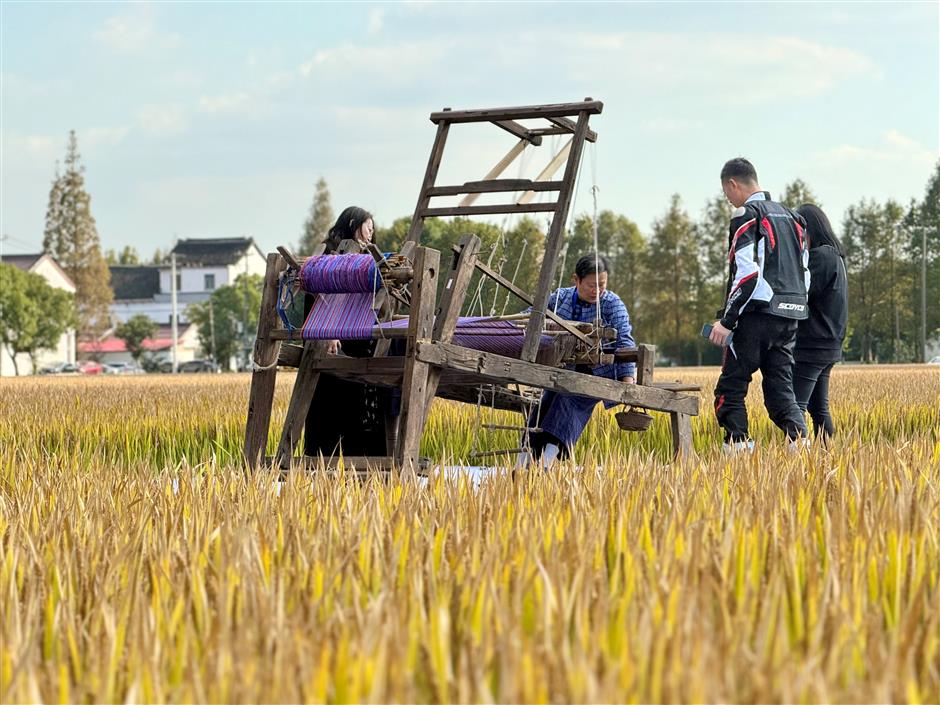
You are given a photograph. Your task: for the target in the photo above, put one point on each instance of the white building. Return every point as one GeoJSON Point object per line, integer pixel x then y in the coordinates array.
{"type": "Point", "coordinates": [46, 267]}
{"type": "Point", "coordinates": [202, 265]}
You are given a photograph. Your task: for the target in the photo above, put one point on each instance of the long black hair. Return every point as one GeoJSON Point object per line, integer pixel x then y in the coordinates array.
{"type": "Point", "coordinates": [819, 228]}
{"type": "Point", "coordinates": [346, 226]}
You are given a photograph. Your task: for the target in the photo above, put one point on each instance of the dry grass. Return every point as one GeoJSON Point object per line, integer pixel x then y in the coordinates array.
{"type": "Point", "coordinates": [773, 578]}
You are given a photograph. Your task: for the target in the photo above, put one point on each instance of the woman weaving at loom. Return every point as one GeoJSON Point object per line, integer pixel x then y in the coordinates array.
{"type": "Point", "coordinates": [344, 413]}
{"type": "Point", "coordinates": [563, 417]}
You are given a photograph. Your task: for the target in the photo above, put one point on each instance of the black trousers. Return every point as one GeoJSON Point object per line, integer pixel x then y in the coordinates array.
{"type": "Point", "coordinates": [811, 387]}
{"type": "Point", "coordinates": [761, 342]}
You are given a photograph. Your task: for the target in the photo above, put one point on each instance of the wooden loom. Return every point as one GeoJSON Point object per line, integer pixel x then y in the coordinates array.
{"type": "Point", "coordinates": [432, 364]}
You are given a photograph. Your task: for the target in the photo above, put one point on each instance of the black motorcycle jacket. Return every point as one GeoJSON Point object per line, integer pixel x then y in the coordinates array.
{"type": "Point", "coordinates": [768, 262]}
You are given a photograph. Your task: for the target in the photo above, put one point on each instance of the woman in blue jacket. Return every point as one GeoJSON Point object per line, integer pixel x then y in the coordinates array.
{"type": "Point", "coordinates": [819, 337]}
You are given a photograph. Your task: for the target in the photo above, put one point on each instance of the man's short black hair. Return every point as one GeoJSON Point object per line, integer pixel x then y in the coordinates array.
{"type": "Point", "coordinates": [739, 169]}
{"type": "Point", "coordinates": [591, 263]}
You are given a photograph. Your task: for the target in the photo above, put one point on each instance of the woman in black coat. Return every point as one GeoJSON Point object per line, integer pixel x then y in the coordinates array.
{"type": "Point", "coordinates": [819, 337]}
{"type": "Point", "coordinates": [345, 414]}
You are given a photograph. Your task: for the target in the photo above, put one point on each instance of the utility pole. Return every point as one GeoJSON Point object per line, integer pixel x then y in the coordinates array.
{"type": "Point", "coordinates": [212, 329]}
{"type": "Point", "coordinates": [174, 311]}
{"type": "Point", "coordinates": [894, 296]}
{"type": "Point", "coordinates": [246, 339]}
{"type": "Point", "coordinates": [923, 292]}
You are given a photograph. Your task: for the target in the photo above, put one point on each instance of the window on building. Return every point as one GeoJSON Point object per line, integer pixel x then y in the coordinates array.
{"type": "Point", "coordinates": [208, 281]}
{"type": "Point", "coordinates": [179, 281]}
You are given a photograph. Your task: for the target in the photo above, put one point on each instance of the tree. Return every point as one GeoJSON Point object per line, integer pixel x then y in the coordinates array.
{"type": "Point", "coordinates": [72, 239]}
{"type": "Point", "coordinates": [226, 319]}
{"type": "Point", "coordinates": [923, 225]}
{"type": "Point", "coordinates": [392, 238]}
{"type": "Point", "coordinates": [319, 221]}
{"type": "Point", "coordinates": [443, 235]}
{"type": "Point", "coordinates": [798, 192]}
{"type": "Point", "coordinates": [159, 256]}
{"type": "Point", "coordinates": [523, 245]}
{"type": "Point", "coordinates": [880, 283]}
{"type": "Point", "coordinates": [621, 242]}
{"type": "Point", "coordinates": [134, 332]}
{"type": "Point", "coordinates": [33, 314]}
{"type": "Point", "coordinates": [672, 272]}
{"type": "Point", "coordinates": [711, 233]}
{"type": "Point", "coordinates": [127, 256]}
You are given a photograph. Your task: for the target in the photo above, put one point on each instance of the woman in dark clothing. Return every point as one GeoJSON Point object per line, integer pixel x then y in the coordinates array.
{"type": "Point", "coordinates": [346, 414]}
{"type": "Point", "coordinates": [819, 337]}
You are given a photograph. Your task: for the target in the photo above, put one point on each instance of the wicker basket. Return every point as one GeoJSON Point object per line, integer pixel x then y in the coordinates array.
{"type": "Point", "coordinates": [633, 420]}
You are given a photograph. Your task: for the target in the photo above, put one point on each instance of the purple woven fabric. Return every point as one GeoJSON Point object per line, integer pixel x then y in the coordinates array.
{"type": "Point", "coordinates": [340, 317]}
{"type": "Point", "coordinates": [340, 274]}
{"type": "Point", "coordinates": [477, 333]}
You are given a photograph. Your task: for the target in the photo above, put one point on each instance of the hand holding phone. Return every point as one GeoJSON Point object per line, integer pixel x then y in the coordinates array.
{"type": "Point", "coordinates": [707, 333]}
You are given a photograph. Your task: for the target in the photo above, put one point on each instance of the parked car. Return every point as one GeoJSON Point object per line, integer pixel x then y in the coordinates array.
{"type": "Point", "coordinates": [62, 368]}
{"type": "Point", "coordinates": [123, 368]}
{"type": "Point", "coordinates": [90, 367]}
{"type": "Point", "coordinates": [199, 366]}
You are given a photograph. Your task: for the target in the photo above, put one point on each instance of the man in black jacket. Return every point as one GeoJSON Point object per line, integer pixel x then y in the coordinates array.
{"type": "Point", "coordinates": [766, 296]}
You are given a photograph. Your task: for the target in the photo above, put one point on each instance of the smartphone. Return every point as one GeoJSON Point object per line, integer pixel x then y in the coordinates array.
{"type": "Point", "coordinates": [707, 331]}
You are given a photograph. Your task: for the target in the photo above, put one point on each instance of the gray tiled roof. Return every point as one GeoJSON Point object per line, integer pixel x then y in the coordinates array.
{"type": "Point", "coordinates": [211, 251]}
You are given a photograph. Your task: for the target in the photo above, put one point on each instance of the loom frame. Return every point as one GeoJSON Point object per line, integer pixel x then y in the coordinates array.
{"type": "Point", "coordinates": [432, 365]}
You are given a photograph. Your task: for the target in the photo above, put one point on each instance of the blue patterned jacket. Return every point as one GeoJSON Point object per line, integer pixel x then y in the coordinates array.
{"type": "Point", "coordinates": [613, 314]}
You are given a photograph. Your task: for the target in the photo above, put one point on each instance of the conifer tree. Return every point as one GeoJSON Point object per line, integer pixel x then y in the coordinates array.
{"type": "Point", "coordinates": [797, 193]}
{"type": "Point", "coordinates": [319, 221]}
{"type": "Point", "coordinates": [72, 239]}
{"type": "Point", "coordinates": [672, 272]}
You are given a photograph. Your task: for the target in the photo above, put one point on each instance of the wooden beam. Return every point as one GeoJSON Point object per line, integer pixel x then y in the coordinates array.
{"type": "Point", "coordinates": [455, 288]}
{"type": "Point", "coordinates": [496, 186]}
{"type": "Point", "coordinates": [520, 131]}
{"type": "Point", "coordinates": [415, 378]}
{"type": "Point", "coordinates": [305, 384]}
{"type": "Point", "coordinates": [645, 358]}
{"type": "Point", "coordinates": [498, 169]}
{"type": "Point", "coordinates": [525, 112]}
{"type": "Point", "coordinates": [570, 126]}
{"type": "Point", "coordinates": [430, 176]}
{"type": "Point", "coordinates": [548, 171]}
{"type": "Point", "coordinates": [264, 374]}
{"type": "Point", "coordinates": [553, 243]}
{"type": "Point", "coordinates": [681, 426]}
{"type": "Point", "coordinates": [289, 355]}
{"type": "Point", "coordinates": [489, 210]}
{"type": "Point", "coordinates": [498, 368]}
{"type": "Point", "coordinates": [289, 257]}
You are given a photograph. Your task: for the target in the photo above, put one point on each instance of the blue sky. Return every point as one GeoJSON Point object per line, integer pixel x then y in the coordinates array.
{"type": "Point", "coordinates": [216, 119]}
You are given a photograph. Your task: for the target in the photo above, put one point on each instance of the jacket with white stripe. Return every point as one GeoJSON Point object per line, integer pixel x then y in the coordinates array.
{"type": "Point", "coordinates": [769, 262]}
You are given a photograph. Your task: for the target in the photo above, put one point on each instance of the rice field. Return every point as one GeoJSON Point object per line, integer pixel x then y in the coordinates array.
{"type": "Point", "coordinates": [141, 563]}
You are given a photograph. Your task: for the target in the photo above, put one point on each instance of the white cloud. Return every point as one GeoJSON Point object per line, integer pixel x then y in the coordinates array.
{"type": "Point", "coordinates": [37, 146]}
{"type": "Point", "coordinates": [789, 67]}
{"type": "Point", "coordinates": [708, 66]}
{"type": "Point", "coordinates": [895, 150]}
{"type": "Point", "coordinates": [135, 31]}
{"type": "Point", "coordinates": [103, 136]}
{"type": "Point", "coordinates": [376, 21]}
{"type": "Point", "coordinates": [165, 119]}
{"type": "Point", "coordinates": [226, 103]}
{"type": "Point", "coordinates": [666, 125]}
